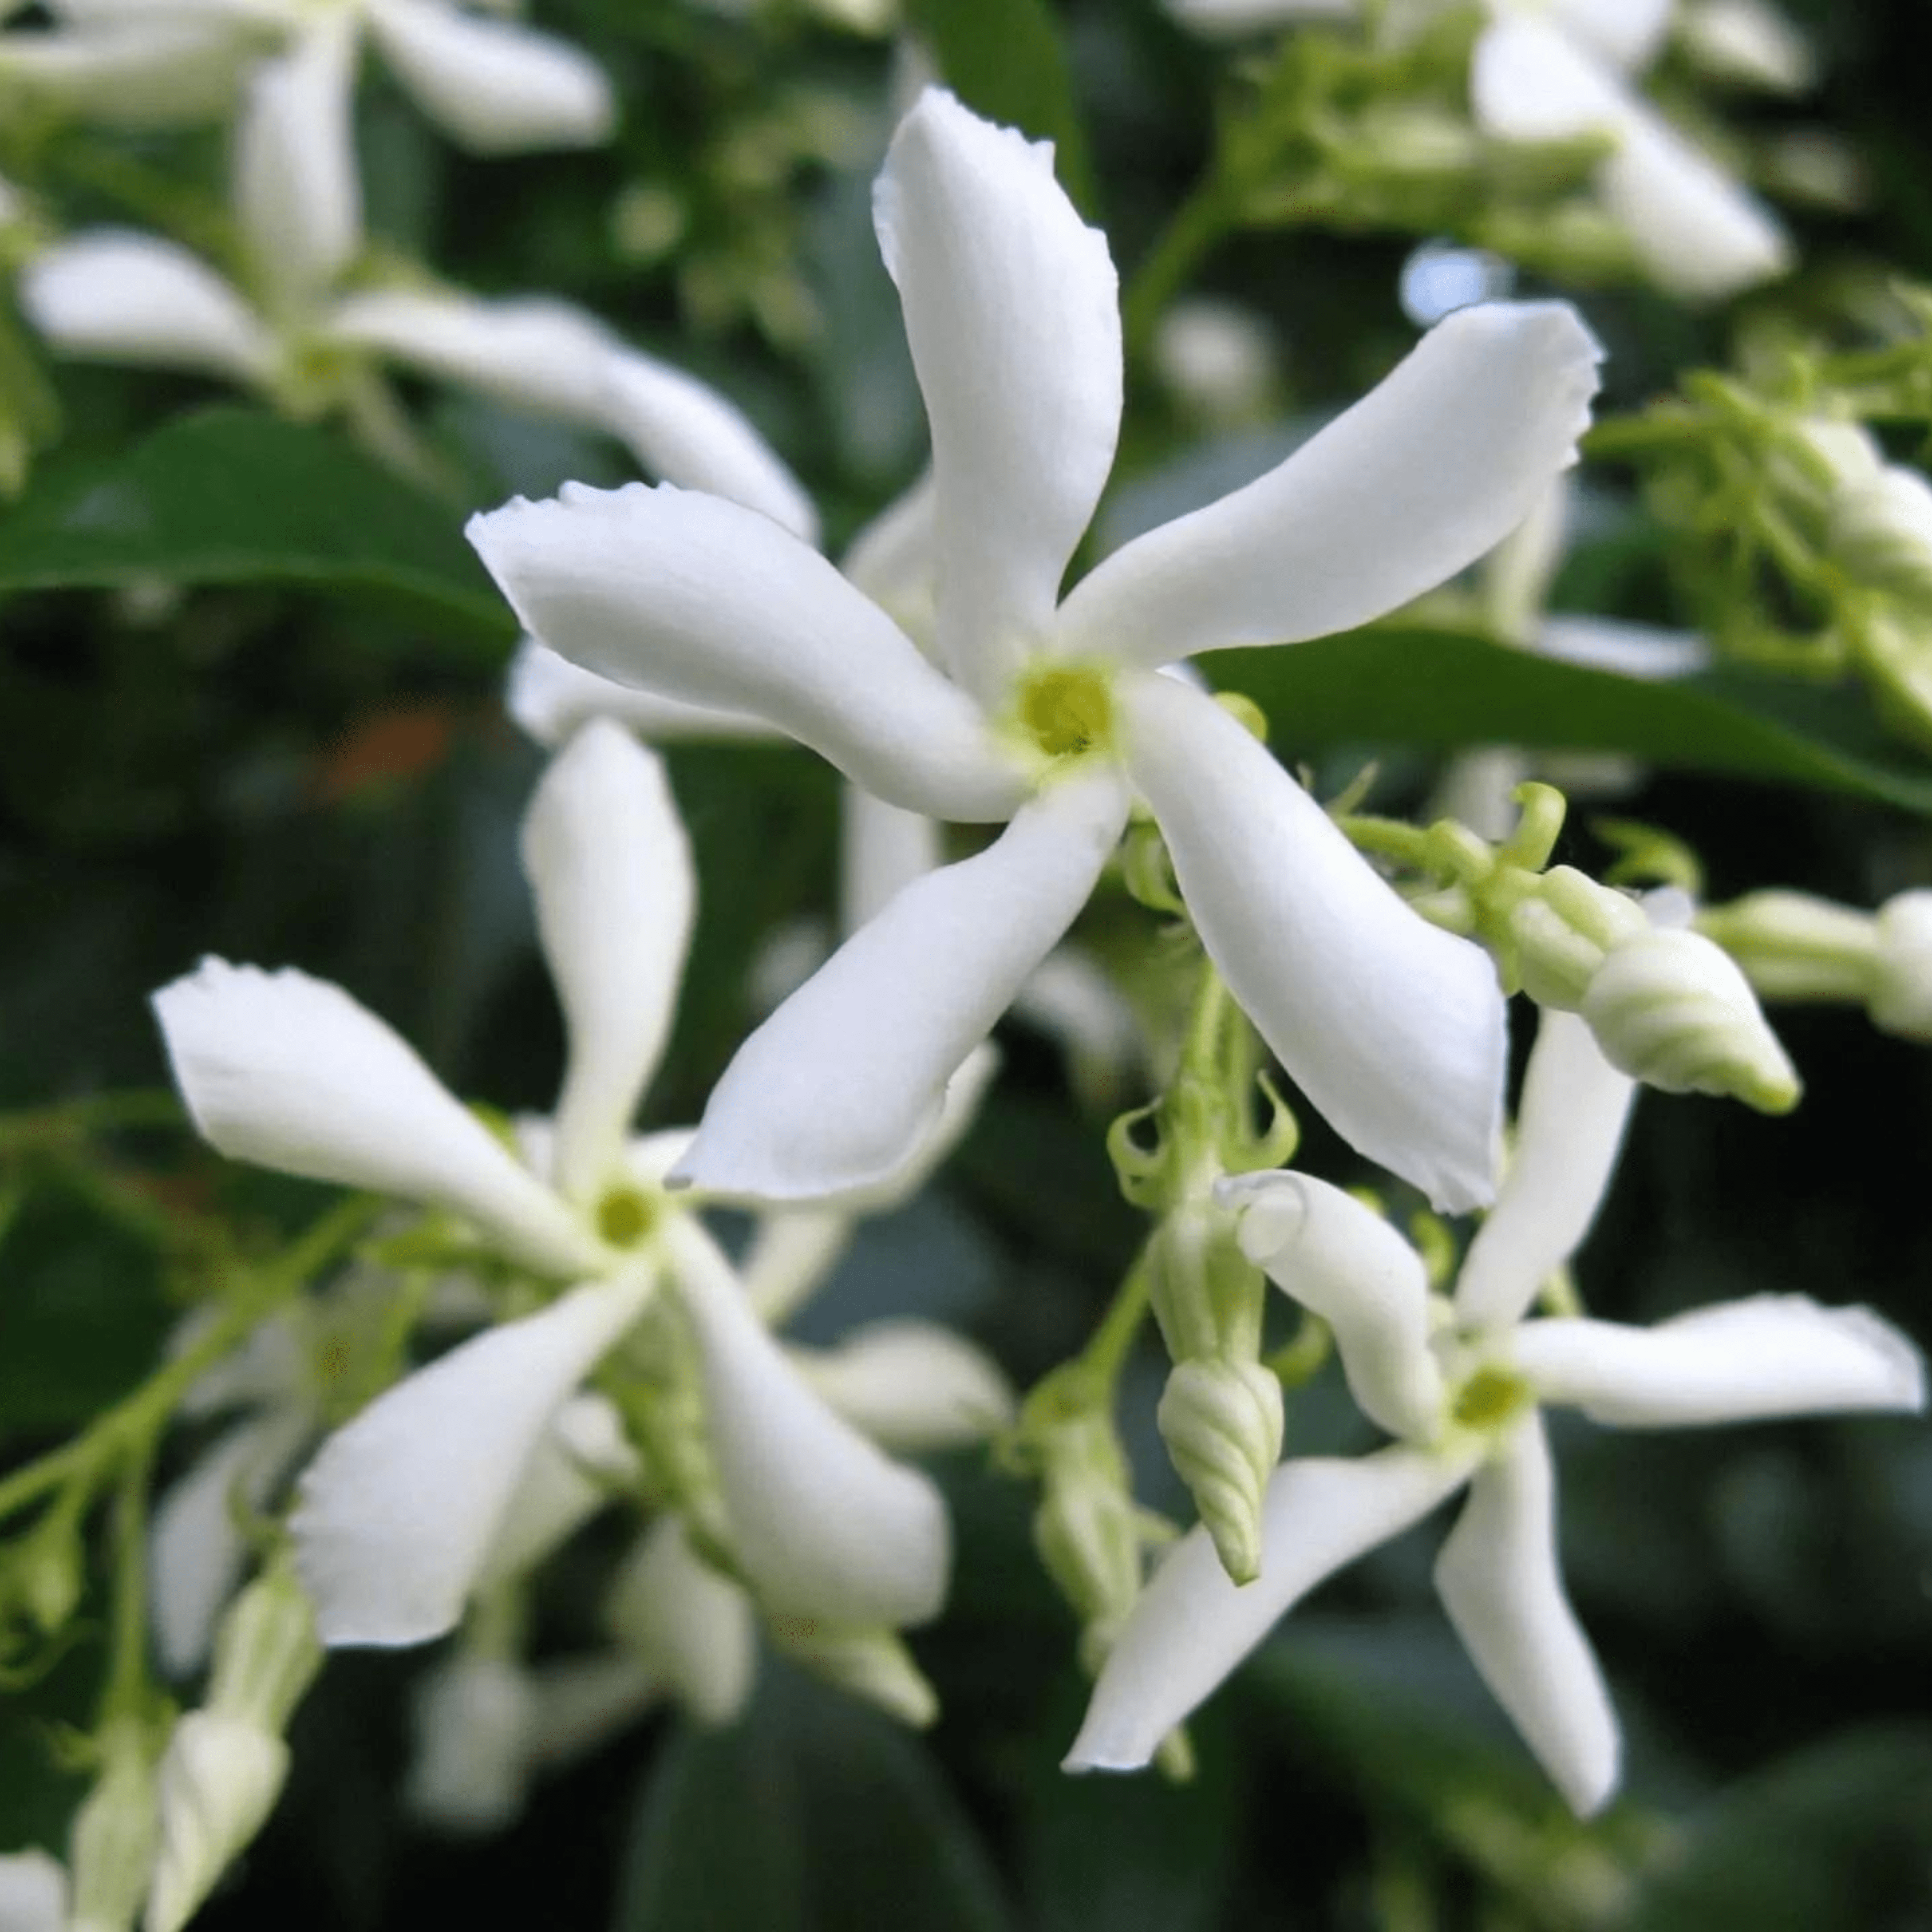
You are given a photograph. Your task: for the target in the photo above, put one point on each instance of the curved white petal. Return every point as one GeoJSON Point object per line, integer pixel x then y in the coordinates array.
{"type": "Point", "coordinates": [1012, 310]}
{"type": "Point", "coordinates": [827, 1528]}
{"type": "Point", "coordinates": [1528, 81]}
{"type": "Point", "coordinates": [1569, 1130]}
{"type": "Point", "coordinates": [894, 560]}
{"type": "Point", "coordinates": [1192, 1626]}
{"type": "Point", "coordinates": [291, 1073]}
{"type": "Point", "coordinates": [494, 86]}
{"type": "Point", "coordinates": [1434, 465]}
{"type": "Point", "coordinates": [1632, 650]}
{"type": "Point", "coordinates": [846, 1080]}
{"type": "Point", "coordinates": [1630, 32]}
{"type": "Point", "coordinates": [397, 1513]}
{"type": "Point", "coordinates": [790, 1255]}
{"type": "Point", "coordinates": [33, 1892]}
{"type": "Point", "coordinates": [572, 1472]}
{"type": "Point", "coordinates": [112, 295]}
{"type": "Point", "coordinates": [1740, 1361]}
{"type": "Point", "coordinates": [196, 1549]}
{"type": "Point", "coordinates": [1500, 1581]}
{"type": "Point", "coordinates": [138, 73]}
{"type": "Point", "coordinates": [694, 1629]}
{"type": "Point", "coordinates": [1392, 1028]}
{"type": "Point", "coordinates": [297, 192]}
{"type": "Point", "coordinates": [548, 696]}
{"type": "Point", "coordinates": [959, 1108]}
{"type": "Point", "coordinates": [882, 847]}
{"type": "Point", "coordinates": [611, 869]}
{"type": "Point", "coordinates": [912, 1386]}
{"type": "Point", "coordinates": [474, 1718]}
{"type": "Point", "coordinates": [1342, 1260]}
{"type": "Point", "coordinates": [708, 602]}
{"type": "Point", "coordinates": [529, 352]}
{"type": "Point", "coordinates": [687, 433]}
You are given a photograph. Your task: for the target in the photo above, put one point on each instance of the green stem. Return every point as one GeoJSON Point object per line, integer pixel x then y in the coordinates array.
{"type": "Point", "coordinates": [1106, 1350]}
{"type": "Point", "coordinates": [126, 1690]}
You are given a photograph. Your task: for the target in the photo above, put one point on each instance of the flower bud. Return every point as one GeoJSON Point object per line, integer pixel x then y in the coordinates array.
{"type": "Point", "coordinates": [1748, 44]}
{"type": "Point", "coordinates": [111, 1848]}
{"type": "Point", "coordinates": [872, 1663]}
{"type": "Point", "coordinates": [474, 1720]}
{"type": "Point", "coordinates": [1087, 1528]}
{"type": "Point", "coordinates": [1900, 1000]}
{"type": "Point", "coordinates": [1793, 946]}
{"type": "Point", "coordinates": [266, 1653]}
{"type": "Point", "coordinates": [1563, 932]}
{"type": "Point", "coordinates": [1880, 529]}
{"type": "Point", "coordinates": [1670, 1009]}
{"type": "Point", "coordinates": [1222, 1420]}
{"type": "Point", "coordinates": [219, 1780]}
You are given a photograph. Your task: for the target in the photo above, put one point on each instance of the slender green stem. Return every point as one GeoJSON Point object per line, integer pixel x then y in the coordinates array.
{"type": "Point", "coordinates": [1106, 1350]}
{"type": "Point", "coordinates": [125, 1691]}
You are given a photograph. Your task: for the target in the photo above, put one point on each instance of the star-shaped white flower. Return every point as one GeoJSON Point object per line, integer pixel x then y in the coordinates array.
{"type": "Point", "coordinates": [1463, 1402]}
{"type": "Point", "coordinates": [404, 1508]}
{"type": "Point", "coordinates": [1055, 714]}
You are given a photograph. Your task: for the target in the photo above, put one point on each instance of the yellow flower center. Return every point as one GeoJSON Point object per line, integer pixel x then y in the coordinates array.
{"type": "Point", "coordinates": [1067, 710]}
{"type": "Point", "coordinates": [1489, 1398]}
{"type": "Point", "coordinates": [627, 1216]}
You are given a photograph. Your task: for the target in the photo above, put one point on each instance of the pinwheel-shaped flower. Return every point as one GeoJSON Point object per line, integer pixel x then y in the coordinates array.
{"type": "Point", "coordinates": [1563, 69]}
{"type": "Point", "coordinates": [404, 1507]}
{"type": "Point", "coordinates": [313, 342]}
{"type": "Point", "coordinates": [1461, 1388]}
{"type": "Point", "coordinates": [1052, 713]}
{"type": "Point", "coordinates": [494, 86]}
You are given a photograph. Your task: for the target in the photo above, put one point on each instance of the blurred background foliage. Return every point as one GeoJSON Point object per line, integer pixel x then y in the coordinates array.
{"type": "Point", "coordinates": [249, 703]}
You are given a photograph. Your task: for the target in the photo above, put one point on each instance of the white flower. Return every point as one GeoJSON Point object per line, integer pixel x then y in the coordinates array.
{"type": "Point", "coordinates": [494, 86]}
{"type": "Point", "coordinates": [33, 1893]}
{"type": "Point", "coordinates": [400, 1513]}
{"type": "Point", "coordinates": [1463, 1402]}
{"type": "Point", "coordinates": [119, 296]}
{"type": "Point", "coordinates": [1052, 714]}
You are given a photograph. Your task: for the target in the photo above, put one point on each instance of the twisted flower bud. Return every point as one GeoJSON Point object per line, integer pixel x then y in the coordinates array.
{"type": "Point", "coordinates": [1221, 1421]}
{"type": "Point", "coordinates": [219, 1780]}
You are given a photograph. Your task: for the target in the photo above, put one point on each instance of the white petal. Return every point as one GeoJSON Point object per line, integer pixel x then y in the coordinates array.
{"type": "Point", "coordinates": [33, 1893]}
{"type": "Point", "coordinates": [1478, 789]}
{"type": "Point", "coordinates": [1629, 32]}
{"type": "Point", "coordinates": [1767, 1356]}
{"type": "Point", "coordinates": [549, 696]}
{"type": "Point", "coordinates": [959, 1108]}
{"type": "Point", "coordinates": [495, 87]}
{"type": "Point", "coordinates": [1012, 310]}
{"type": "Point", "coordinates": [291, 1073]}
{"type": "Point", "coordinates": [298, 193]}
{"type": "Point", "coordinates": [703, 600]}
{"type": "Point", "coordinates": [1569, 1130]}
{"type": "Point", "coordinates": [792, 1253]}
{"type": "Point", "coordinates": [529, 353]}
{"type": "Point", "coordinates": [694, 1630]}
{"type": "Point", "coordinates": [1392, 1028]}
{"type": "Point", "coordinates": [398, 1512]}
{"type": "Point", "coordinates": [882, 848]}
{"type": "Point", "coordinates": [912, 1386]}
{"type": "Point", "coordinates": [611, 868]}
{"type": "Point", "coordinates": [1632, 650]}
{"type": "Point", "coordinates": [687, 433]}
{"type": "Point", "coordinates": [843, 1084]}
{"type": "Point", "coordinates": [136, 73]}
{"type": "Point", "coordinates": [827, 1528]}
{"type": "Point", "coordinates": [572, 1473]}
{"type": "Point", "coordinates": [894, 560]}
{"type": "Point", "coordinates": [1500, 1581]}
{"type": "Point", "coordinates": [1342, 1260]}
{"type": "Point", "coordinates": [1435, 466]}
{"type": "Point", "coordinates": [474, 1718]}
{"type": "Point", "coordinates": [196, 1549]}
{"type": "Point", "coordinates": [1192, 1626]}
{"type": "Point", "coordinates": [112, 295]}
{"type": "Point", "coordinates": [1530, 81]}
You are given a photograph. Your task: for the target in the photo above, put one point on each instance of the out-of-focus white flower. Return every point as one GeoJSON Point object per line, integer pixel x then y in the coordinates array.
{"type": "Point", "coordinates": [1746, 42]}
{"type": "Point", "coordinates": [1460, 1387]}
{"type": "Point", "coordinates": [119, 296]}
{"type": "Point", "coordinates": [1900, 999]}
{"type": "Point", "coordinates": [1051, 714]}
{"type": "Point", "coordinates": [400, 1513]}
{"type": "Point", "coordinates": [1218, 360]}
{"type": "Point", "coordinates": [33, 1893]}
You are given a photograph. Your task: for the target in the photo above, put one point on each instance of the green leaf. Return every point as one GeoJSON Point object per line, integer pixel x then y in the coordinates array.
{"type": "Point", "coordinates": [228, 496]}
{"type": "Point", "coordinates": [1834, 1835]}
{"type": "Point", "coordinates": [1440, 690]}
{"type": "Point", "coordinates": [813, 1814]}
{"type": "Point", "coordinates": [1005, 58]}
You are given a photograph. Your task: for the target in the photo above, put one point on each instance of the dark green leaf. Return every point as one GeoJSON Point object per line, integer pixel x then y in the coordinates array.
{"type": "Point", "coordinates": [814, 1814]}
{"type": "Point", "coordinates": [1441, 690]}
{"type": "Point", "coordinates": [1006, 59]}
{"type": "Point", "coordinates": [230, 496]}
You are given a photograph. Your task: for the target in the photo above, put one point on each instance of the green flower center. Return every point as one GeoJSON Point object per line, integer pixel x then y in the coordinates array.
{"type": "Point", "coordinates": [627, 1216]}
{"type": "Point", "coordinates": [1067, 710]}
{"type": "Point", "coordinates": [1489, 1398]}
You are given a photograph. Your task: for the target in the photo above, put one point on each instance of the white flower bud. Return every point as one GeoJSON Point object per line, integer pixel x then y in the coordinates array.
{"type": "Point", "coordinates": [219, 1780]}
{"type": "Point", "coordinates": [1087, 1529]}
{"type": "Point", "coordinates": [1747, 43]}
{"type": "Point", "coordinates": [1881, 530]}
{"type": "Point", "coordinates": [111, 1847]}
{"type": "Point", "coordinates": [474, 1721]}
{"type": "Point", "coordinates": [692, 1627]}
{"type": "Point", "coordinates": [1900, 1000]}
{"type": "Point", "coordinates": [1222, 1420]}
{"type": "Point", "coordinates": [872, 1663]}
{"type": "Point", "coordinates": [1218, 359]}
{"type": "Point", "coordinates": [1565, 930]}
{"type": "Point", "coordinates": [1671, 1008]}
{"type": "Point", "coordinates": [1793, 946]}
